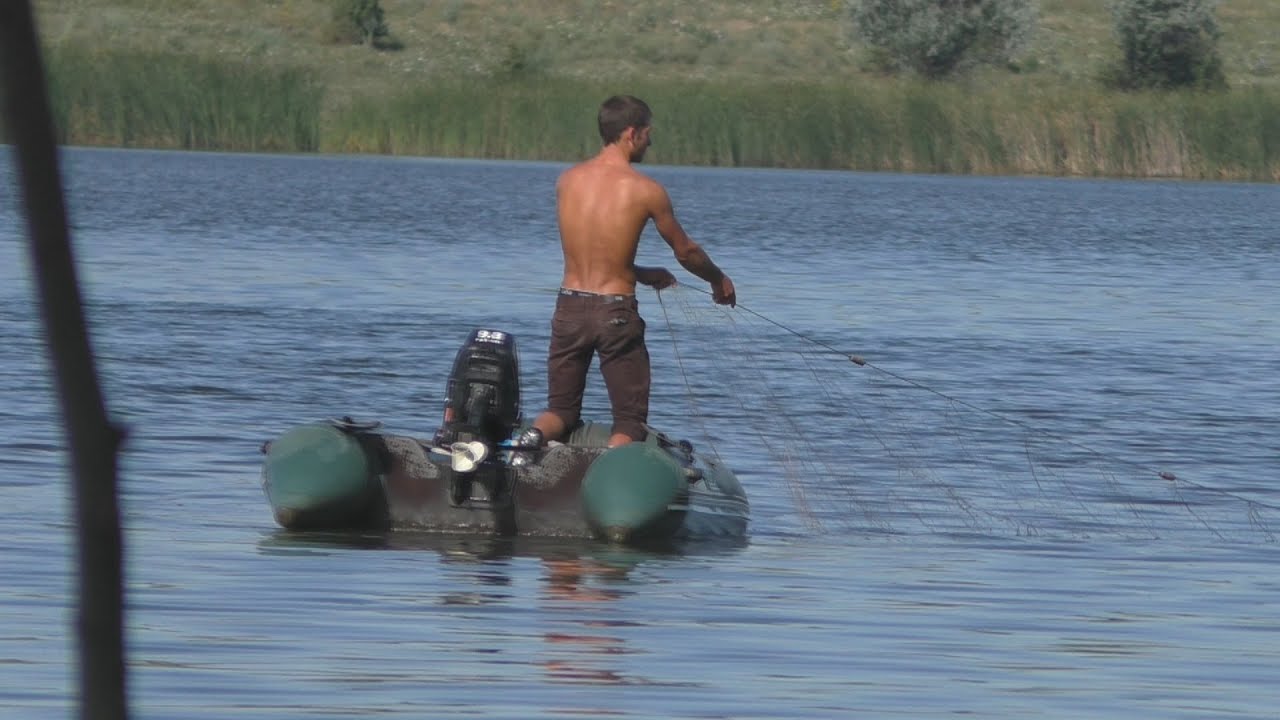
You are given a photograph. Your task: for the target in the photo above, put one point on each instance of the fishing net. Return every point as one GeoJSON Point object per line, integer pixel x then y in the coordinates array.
{"type": "Point", "coordinates": [860, 447]}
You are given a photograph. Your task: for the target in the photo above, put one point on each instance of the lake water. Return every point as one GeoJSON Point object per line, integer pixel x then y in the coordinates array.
{"type": "Point", "coordinates": [974, 524]}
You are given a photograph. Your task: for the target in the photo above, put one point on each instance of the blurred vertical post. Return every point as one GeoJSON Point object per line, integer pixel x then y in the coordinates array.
{"type": "Point", "coordinates": [92, 439]}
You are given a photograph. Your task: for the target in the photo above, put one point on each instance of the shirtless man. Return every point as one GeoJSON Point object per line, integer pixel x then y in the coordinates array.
{"type": "Point", "coordinates": [603, 205]}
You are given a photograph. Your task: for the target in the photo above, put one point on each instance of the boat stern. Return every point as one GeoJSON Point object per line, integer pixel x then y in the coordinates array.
{"type": "Point", "coordinates": [634, 492]}
{"type": "Point", "coordinates": [320, 476]}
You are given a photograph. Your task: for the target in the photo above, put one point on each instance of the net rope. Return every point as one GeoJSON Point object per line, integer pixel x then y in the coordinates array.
{"type": "Point", "coordinates": [869, 449]}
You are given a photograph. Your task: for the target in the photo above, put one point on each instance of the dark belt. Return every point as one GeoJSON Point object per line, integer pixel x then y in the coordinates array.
{"type": "Point", "coordinates": [566, 292]}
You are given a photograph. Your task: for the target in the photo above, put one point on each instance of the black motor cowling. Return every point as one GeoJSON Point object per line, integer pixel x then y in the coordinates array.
{"type": "Point", "coordinates": [482, 398]}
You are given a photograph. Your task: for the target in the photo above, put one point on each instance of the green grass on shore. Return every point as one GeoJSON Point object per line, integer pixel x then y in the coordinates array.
{"type": "Point", "coordinates": [730, 40]}
{"type": "Point", "coordinates": [741, 82]}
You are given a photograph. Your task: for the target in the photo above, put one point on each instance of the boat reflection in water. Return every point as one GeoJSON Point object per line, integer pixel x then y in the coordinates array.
{"type": "Point", "coordinates": [568, 597]}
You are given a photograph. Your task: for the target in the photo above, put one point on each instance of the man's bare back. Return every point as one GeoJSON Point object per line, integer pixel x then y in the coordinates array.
{"type": "Point", "coordinates": [603, 205]}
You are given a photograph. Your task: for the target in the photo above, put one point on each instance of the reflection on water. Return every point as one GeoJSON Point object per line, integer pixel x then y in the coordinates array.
{"type": "Point", "coordinates": [580, 583]}
{"type": "Point", "coordinates": [571, 587]}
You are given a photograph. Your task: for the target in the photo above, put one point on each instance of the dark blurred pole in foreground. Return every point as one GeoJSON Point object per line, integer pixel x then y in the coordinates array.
{"type": "Point", "coordinates": [91, 437]}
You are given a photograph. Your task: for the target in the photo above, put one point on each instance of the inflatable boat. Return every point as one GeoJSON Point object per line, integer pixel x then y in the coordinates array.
{"type": "Point", "coordinates": [475, 476]}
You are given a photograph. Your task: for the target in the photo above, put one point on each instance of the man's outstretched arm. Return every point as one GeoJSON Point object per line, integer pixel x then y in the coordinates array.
{"type": "Point", "coordinates": [688, 253]}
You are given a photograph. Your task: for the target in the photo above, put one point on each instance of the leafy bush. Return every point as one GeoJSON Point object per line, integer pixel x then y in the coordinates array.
{"type": "Point", "coordinates": [1167, 43]}
{"type": "Point", "coordinates": [936, 38]}
{"type": "Point", "coordinates": [358, 21]}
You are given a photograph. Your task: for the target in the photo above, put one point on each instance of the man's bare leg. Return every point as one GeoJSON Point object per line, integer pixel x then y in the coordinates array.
{"type": "Point", "coordinates": [550, 425]}
{"type": "Point", "coordinates": [552, 428]}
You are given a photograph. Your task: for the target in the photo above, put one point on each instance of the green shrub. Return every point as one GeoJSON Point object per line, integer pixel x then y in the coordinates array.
{"type": "Point", "coordinates": [937, 38]}
{"type": "Point", "coordinates": [1167, 43]}
{"type": "Point", "coordinates": [358, 21]}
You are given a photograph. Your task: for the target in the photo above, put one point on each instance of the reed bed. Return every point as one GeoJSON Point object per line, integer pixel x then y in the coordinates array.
{"type": "Point", "coordinates": [876, 126]}
{"type": "Point", "coordinates": [1013, 127]}
{"type": "Point", "coordinates": [161, 100]}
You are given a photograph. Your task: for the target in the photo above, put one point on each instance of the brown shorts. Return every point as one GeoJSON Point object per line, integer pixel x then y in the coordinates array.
{"type": "Point", "coordinates": [585, 324]}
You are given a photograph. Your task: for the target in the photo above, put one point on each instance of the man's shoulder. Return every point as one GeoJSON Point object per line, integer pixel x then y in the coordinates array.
{"type": "Point", "coordinates": [592, 171]}
{"type": "Point", "coordinates": [643, 183]}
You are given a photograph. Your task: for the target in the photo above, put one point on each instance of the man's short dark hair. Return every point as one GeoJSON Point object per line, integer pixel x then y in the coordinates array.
{"type": "Point", "coordinates": [619, 113]}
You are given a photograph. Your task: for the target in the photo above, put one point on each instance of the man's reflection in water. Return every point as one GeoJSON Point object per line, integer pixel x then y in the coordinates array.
{"type": "Point", "coordinates": [579, 582]}
{"type": "Point", "coordinates": [572, 587]}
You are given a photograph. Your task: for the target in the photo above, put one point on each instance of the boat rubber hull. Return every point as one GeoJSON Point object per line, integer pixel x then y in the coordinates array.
{"type": "Point", "coordinates": [327, 477]}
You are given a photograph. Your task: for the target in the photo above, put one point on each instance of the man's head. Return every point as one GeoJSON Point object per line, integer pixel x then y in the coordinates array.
{"type": "Point", "coordinates": [625, 119]}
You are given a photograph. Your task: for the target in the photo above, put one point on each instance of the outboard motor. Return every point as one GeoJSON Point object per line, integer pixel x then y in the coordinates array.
{"type": "Point", "coordinates": [482, 405]}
